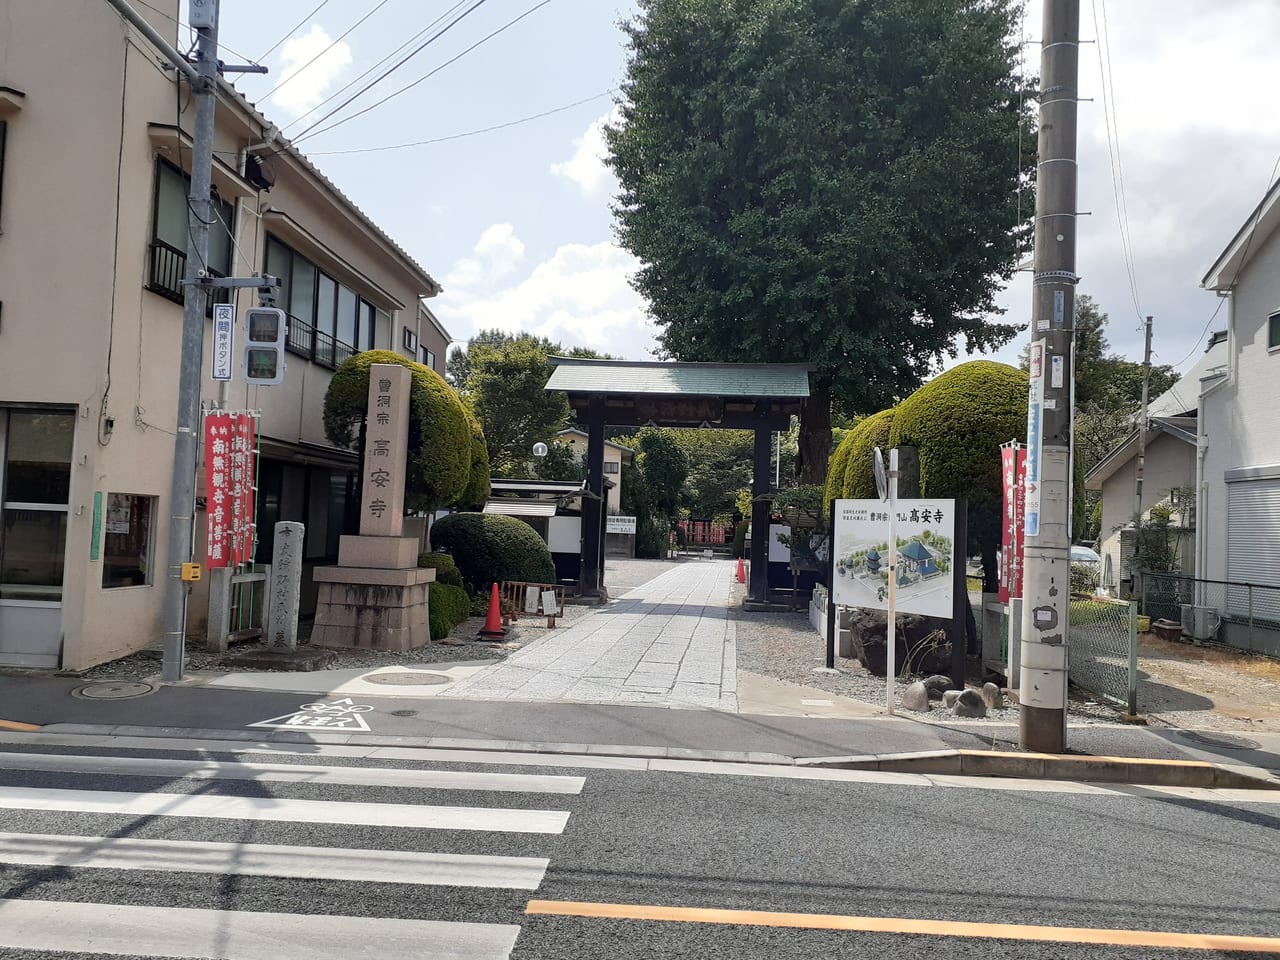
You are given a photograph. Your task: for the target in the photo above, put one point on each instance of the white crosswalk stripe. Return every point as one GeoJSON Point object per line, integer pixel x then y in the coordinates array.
{"type": "Point", "coordinates": [36, 862]}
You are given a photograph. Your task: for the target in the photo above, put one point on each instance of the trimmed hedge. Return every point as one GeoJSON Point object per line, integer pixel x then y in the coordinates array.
{"type": "Point", "coordinates": [447, 606]}
{"type": "Point", "coordinates": [491, 548]}
{"type": "Point", "coordinates": [478, 485]}
{"type": "Point", "coordinates": [438, 468]}
{"type": "Point", "coordinates": [836, 467]}
{"type": "Point", "coordinates": [446, 570]}
{"type": "Point", "coordinates": [859, 476]}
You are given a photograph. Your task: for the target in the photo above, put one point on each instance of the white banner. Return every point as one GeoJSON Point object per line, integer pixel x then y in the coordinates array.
{"type": "Point", "coordinates": [616, 524]}
{"type": "Point", "coordinates": [926, 550]}
{"type": "Point", "coordinates": [224, 332]}
{"type": "Point", "coordinates": [1035, 423]}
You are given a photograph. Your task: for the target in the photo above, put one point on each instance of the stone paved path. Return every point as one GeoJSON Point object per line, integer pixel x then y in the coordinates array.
{"type": "Point", "coordinates": [668, 642]}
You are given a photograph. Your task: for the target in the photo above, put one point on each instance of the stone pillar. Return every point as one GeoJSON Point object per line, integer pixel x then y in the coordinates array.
{"type": "Point", "coordinates": [376, 597]}
{"type": "Point", "coordinates": [284, 586]}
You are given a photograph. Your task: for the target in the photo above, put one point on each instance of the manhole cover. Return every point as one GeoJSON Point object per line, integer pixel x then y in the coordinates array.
{"type": "Point", "coordinates": [416, 679]}
{"type": "Point", "coordinates": [113, 690]}
{"type": "Point", "coordinates": [1225, 740]}
{"type": "Point", "coordinates": [404, 713]}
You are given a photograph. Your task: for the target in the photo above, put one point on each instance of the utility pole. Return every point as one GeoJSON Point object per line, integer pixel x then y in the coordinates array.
{"type": "Point", "coordinates": [1142, 428]}
{"type": "Point", "coordinates": [1047, 576]}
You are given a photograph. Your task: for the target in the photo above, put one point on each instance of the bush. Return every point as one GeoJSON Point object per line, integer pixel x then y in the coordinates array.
{"type": "Point", "coordinates": [836, 467]}
{"type": "Point", "coordinates": [438, 467]}
{"type": "Point", "coordinates": [491, 548]}
{"type": "Point", "coordinates": [478, 486]}
{"type": "Point", "coordinates": [447, 607]}
{"type": "Point", "coordinates": [652, 537]}
{"type": "Point", "coordinates": [446, 570]}
{"type": "Point", "coordinates": [1084, 578]}
{"type": "Point", "coordinates": [740, 538]}
{"type": "Point", "coordinates": [859, 475]}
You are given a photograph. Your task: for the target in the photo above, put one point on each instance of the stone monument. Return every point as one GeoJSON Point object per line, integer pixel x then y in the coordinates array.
{"type": "Point", "coordinates": [376, 597]}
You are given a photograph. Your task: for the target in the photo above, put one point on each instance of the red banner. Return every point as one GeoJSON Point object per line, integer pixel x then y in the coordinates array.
{"type": "Point", "coordinates": [1013, 468]}
{"type": "Point", "coordinates": [229, 495]}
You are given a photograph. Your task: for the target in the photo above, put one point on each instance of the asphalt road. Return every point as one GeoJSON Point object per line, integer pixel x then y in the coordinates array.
{"type": "Point", "coordinates": [198, 853]}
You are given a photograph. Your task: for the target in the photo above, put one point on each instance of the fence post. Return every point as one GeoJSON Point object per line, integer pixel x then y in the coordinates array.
{"type": "Point", "coordinates": [1133, 658]}
{"type": "Point", "coordinates": [1250, 589]}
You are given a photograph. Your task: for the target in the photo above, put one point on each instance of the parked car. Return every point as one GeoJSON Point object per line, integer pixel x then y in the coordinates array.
{"type": "Point", "coordinates": [1083, 554]}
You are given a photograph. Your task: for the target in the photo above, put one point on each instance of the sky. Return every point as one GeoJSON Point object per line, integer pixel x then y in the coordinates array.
{"type": "Point", "coordinates": [515, 222]}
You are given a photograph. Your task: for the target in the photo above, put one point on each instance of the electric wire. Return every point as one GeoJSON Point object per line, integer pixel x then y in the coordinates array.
{"type": "Point", "coordinates": [1107, 76]}
{"type": "Point", "coordinates": [469, 133]}
{"type": "Point", "coordinates": [342, 36]}
{"type": "Point", "coordinates": [311, 131]}
{"type": "Point", "coordinates": [292, 30]}
{"type": "Point", "coordinates": [183, 23]}
{"type": "Point", "coordinates": [386, 73]}
{"type": "Point", "coordinates": [385, 59]}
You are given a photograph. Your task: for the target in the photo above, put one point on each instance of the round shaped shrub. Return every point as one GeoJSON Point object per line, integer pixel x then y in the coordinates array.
{"type": "Point", "coordinates": [835, 473]}
{"type": "Point", "coordinates": [446, 570]}
{"type": "Point", "coordinates": [478, 488]}
{"type": "Point", "coordinates": [438, 467]}
{"type": "Point", "coordinates": [859, 481]}
{"type": "Point", "coordinates": [491, 548]}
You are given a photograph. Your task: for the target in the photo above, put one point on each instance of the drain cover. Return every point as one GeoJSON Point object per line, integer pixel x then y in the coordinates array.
{"type": "Point", "coordinates": [404, 713]}
{"type": "Point", "coordinates": [1225, 740]}
{"type": "Point", "coordinates": [113, 690]}
{"type": "Point", "coordinates": [417, 678]}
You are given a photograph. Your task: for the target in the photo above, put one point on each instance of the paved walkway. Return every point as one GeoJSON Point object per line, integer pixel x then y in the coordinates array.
{"type": "Point", "coordinates": [669, 641]}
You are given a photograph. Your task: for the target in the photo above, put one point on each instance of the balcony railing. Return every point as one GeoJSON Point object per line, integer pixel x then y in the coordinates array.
{"type": "Point", "coordinates": [169, 268]}
{"type": "Point", "coordinates": [316, 345]}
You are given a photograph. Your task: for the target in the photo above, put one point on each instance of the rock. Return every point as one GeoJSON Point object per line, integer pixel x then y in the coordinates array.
{"type": "Point", "coordinates": [1010, 695]}
{"type": "Point", "coordinates": [992, 696]}
{"type": "Point", "coordinates": [921, 642]}
{"type": "Point", "coordinates": [949, 698]}
{"type": "Point", "coordinates": [970, 704]}
{"type": "Point", "coordinates": [937, 685]}
{"type": "Point", "coordinates": [916, 697]}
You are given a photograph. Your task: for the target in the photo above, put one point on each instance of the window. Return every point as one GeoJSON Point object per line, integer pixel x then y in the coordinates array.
{"type": "Point", "coordinates": [127, 543]}
{"type": "Point", "coordinates": [427, 358]}
{"type": "Point", "coordinates": [1273, 331]}
{"type": "Point", "coordinates": [410, 340]}
{"type": "Point", "coordinates": [610, 466]}
{"type": "Point", "coordinates": [328, 321]}
{"type": "Point", "coordinates": [4, 129]}
{"type": "Point", "coordinates": [35, 486]}
{"type": "Point", "coordinates": [169, 235]}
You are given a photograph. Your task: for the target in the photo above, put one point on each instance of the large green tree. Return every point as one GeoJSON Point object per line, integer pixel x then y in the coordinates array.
{"type": "Point", "coordinates": [832, 182]}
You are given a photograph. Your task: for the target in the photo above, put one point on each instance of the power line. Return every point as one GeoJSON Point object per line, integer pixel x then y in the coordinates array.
{"type": "Point", "coordinates": [469, 133]}
{"type": "Point", "coordinates": [352, 82]}
{"type": "Point", "coordinates": [290, 32]}
{"type": "Point", "coordinates": [183, 23]}
{"type": "Point", "coordinates": [1107, 76]}
{"type": "Point", "coordinates": [428, 75]}
{"type": "Point", "coordinates": [331, 45]}
{"type": "Point", "coordinates": [400, 63]}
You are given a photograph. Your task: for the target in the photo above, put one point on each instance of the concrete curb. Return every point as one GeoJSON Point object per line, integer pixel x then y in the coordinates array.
{"type": "Point", "coordinates": [1048, 766]}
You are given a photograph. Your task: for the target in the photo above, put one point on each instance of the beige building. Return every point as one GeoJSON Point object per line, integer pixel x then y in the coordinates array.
{"type": "Point", "coordinates": [94, 145]}
{"type": "Point", "coordinates": [615, 455]}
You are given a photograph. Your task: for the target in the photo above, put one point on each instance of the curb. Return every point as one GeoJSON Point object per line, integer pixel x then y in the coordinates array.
{"type": "Point", "coordinates": [19, 726]}
{"type": "Point", "coordinates": [1049, 766]}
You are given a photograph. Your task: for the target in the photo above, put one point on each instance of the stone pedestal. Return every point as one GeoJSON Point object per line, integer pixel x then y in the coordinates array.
{"type": "Point", "coordinates": [372, 609]}
{"type": "Point", "coordinates": [376, 598]}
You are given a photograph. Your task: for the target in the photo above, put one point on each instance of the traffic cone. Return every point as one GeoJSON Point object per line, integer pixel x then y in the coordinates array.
{"type": "Point", "coordinates": [493, 622]}
{"type": "Point", "coordinates": [742, 571]}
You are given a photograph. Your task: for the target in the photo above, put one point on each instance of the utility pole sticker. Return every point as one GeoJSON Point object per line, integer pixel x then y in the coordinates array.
{"type": "Point", "coordinates": [1035, 422]}
{"type": "Point", "coordinates": [338, 715]}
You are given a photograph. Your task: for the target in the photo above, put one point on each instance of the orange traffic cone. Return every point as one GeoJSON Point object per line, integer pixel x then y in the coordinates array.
{"type": "Point", "coordinates": [742, 571]}
{"type": "Point", "coordinates": [493, 622]}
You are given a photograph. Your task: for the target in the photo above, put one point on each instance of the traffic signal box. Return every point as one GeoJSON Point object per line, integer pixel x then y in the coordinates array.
{"type": "Point", "coordinates": [266, 330]}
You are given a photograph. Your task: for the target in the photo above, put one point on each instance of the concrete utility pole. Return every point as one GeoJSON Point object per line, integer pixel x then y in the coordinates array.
{"type": "Point", "coordinates": [1142, 428]}
{"type": "Point", "coordinates": [1047, 567]}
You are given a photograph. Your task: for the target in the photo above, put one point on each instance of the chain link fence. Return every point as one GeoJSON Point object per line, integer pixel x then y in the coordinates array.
{"type": "Point", "coordinates": [1225, 613]}
{"type": "Point", "coordinates": [1103, 656]}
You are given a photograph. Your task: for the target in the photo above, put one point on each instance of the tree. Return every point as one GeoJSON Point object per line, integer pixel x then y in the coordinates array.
{"type": "Point", "coordinates": [560, 463]}
{"type": "Point", "coordinates": [438, 467]}
{"type": "Point", "coordinates": [664, 465]}
{"type": "Point", "coordinates": [478, 486]}
{"type": "Point", "coordinates": [832, 182]}
{"type": "Point", "coordinates": [507, 385]}
{"type": "Point", "coordinates": [719, 466]}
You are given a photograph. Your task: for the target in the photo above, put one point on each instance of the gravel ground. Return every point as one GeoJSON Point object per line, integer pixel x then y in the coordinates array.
{"type": "Point", "coordinates": [785, 646]}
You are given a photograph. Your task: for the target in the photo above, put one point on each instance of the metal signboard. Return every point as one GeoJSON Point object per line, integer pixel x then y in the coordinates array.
{"type": "Point", "coordinates": [224, 333]}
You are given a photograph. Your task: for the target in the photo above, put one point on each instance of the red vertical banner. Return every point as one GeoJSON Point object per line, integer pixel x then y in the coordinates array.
{"type": "Point", "coordinates": [218, 488]}
{"type": "Point", "coordinates": [242, 472]}
{"type": "Point", "coordinates": [1013, 470]}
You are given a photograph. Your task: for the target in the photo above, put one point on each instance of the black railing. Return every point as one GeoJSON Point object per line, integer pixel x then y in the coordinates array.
{"type": "Point", "coordinates": [169, 268]}
{"type": "Point", "coordinates": [317, 346]}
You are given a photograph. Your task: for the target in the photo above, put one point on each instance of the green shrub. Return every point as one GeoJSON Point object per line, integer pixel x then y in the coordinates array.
{"type": "Point", "coordinates": [480, 603]}
{"type": "Point", "coordinates": [1084, 578]}
{"type": "Point", "coordinates": [652, 537]}
{"type": "Point", "coordinates": [478, 487]}
{"type": "Point", "coordinates": [740, 538]}
{"type": "Point", "coordinates": [447, 607]}
{"type": "Point", "coordinates": [438, 468]}
{"type": "Point", "coordinates": [446, 570]}
{"type": "Point", "coordinates": [836, 467]}
{"type": "Point", "coordinates": [492, 548]}
{"type": "Point", "coordinates": [859, 474]}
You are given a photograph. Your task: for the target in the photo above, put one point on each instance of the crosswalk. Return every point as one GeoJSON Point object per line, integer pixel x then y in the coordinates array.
{"type": "Point", "coordinates": [284, 857]}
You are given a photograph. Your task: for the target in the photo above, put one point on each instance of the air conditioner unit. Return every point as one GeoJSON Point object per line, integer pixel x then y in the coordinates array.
{"type": "Point", "coordinates": [1200, 623]}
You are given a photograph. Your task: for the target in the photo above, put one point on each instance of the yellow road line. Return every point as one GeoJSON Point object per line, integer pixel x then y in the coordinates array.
{"type": "Point", "coordinates": [941, 928]}
{"type": "Point", "coordinates": [18, 725]}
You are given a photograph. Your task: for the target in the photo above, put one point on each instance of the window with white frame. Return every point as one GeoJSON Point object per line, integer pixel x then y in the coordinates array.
{"type": "Point", "coordinates": [35, 488]}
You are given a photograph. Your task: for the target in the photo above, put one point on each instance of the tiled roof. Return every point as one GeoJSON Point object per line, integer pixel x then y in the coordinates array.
{"type": "Point", "coordinates": [767, 380]}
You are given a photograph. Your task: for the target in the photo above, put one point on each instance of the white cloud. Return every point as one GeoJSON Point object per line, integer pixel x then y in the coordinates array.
{"type": "Point", "coordinates": [579, 296]}
{"type": "Point", "coordinates": [305, 84]}
{"type": "Point", "coordinates": [496, 254]}
{"type": "Point", "coordinates": [586, 167]}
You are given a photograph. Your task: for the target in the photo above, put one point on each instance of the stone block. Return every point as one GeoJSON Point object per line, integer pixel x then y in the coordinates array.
{"type": "Point", "coordinates": [378, 553]}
